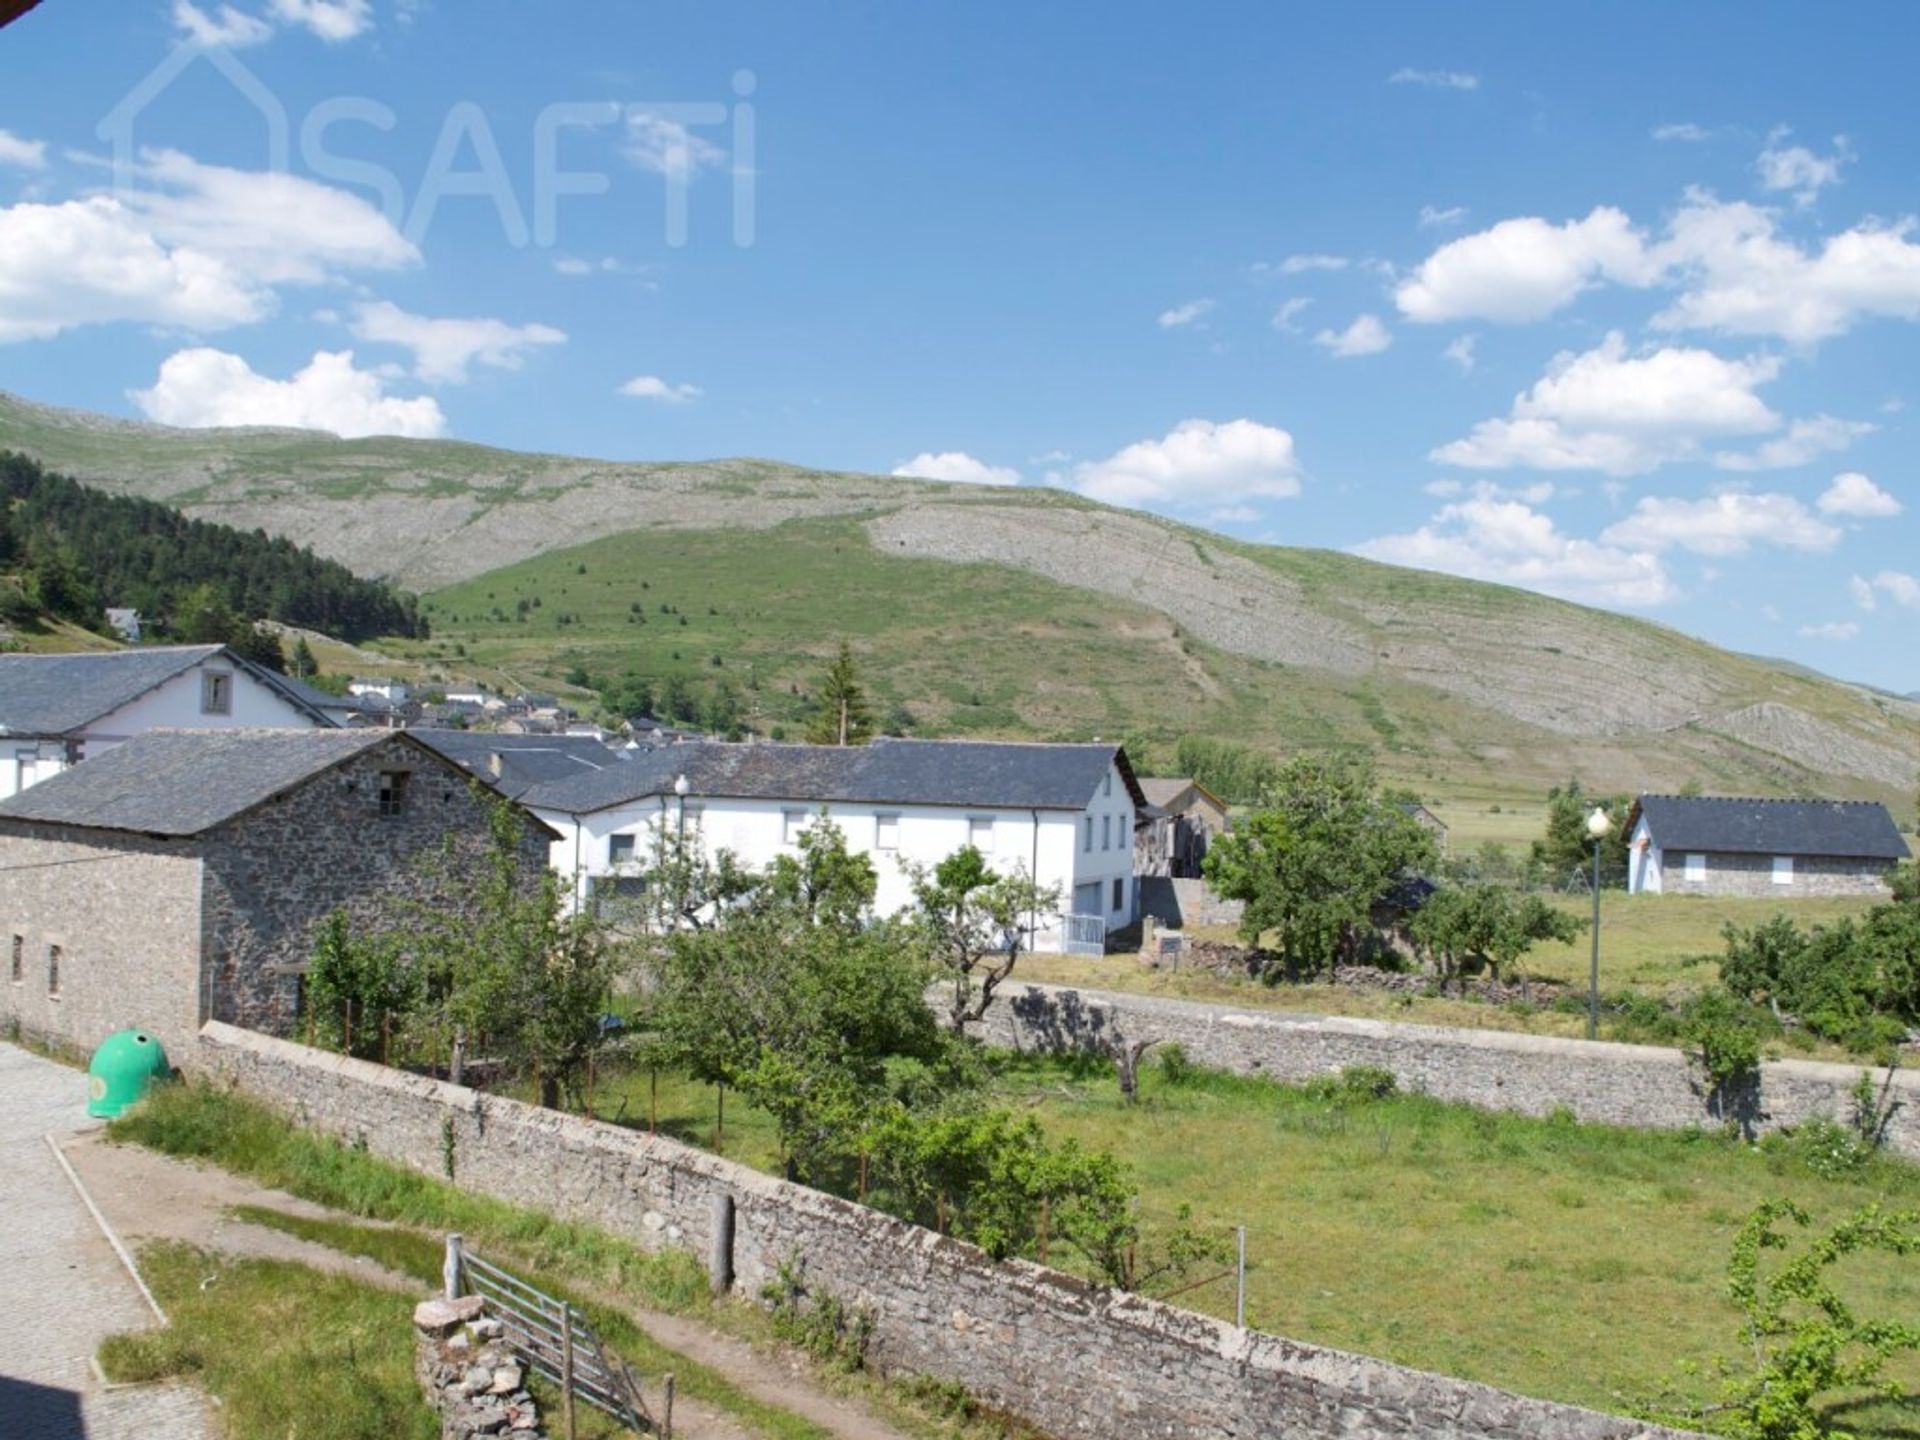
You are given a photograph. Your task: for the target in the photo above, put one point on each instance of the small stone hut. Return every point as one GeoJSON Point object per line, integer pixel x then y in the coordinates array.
{"type": "Point", "coordinates": [182, 876]}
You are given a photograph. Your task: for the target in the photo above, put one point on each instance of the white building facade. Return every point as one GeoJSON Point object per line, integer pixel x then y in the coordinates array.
{"type": "Point", "coordinates": [56, 710]}
{"type": "Point", "coordinates": [1063, 814]}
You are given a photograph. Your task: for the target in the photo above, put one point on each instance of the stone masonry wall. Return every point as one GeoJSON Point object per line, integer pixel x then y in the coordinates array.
{"type": "Point", "coordinates": [1813, 875]}
{"type": "Point", "coordinates": [1072, 1358]}
{"type": "Point", "coordinates": [125, 912]}
{"type": "Point", "coordinates": [275, 874]}
{"type": "Point", "coordinates": [1645, 1086]}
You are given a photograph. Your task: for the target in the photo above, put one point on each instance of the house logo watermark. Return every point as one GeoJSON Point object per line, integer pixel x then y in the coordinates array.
{"type": "Point", "coordinates": [669, 143]}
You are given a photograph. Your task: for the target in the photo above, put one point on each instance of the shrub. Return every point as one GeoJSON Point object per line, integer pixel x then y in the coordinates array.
{"type": "Point", "coordinates": [1175, 1066]}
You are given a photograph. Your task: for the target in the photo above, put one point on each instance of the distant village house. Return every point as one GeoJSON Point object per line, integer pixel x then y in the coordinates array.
{"type": "Point", "coordinates": [1179, 821]}
{"type": "Point", "coordinates": [1715, 845]}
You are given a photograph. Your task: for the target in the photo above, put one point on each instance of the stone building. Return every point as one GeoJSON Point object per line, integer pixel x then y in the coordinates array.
{"type": "Point", "coordinates": [181, 876]}
{"type": "Point", "coordinates": [1176, 825]}
{"type": "Point", "coordinates": [1726, 845]}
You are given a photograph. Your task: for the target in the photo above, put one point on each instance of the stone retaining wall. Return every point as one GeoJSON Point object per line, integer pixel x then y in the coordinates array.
{"type": "Point", "coordinates": [1644, 1086]}
{"type": "Point", "coordinates": [1072, 1358]}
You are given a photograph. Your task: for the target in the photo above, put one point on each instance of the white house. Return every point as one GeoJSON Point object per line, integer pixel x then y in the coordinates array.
{"type": "Point", "coordinates": [55, 710]}
{"type": "Point", "coordinates": [381, 687]}
{"type": "Point", "coordinates": [1063, 813]}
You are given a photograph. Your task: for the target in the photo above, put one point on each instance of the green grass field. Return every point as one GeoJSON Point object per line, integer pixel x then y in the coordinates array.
{"type": "Point", "coordinates": [1567, 1261]}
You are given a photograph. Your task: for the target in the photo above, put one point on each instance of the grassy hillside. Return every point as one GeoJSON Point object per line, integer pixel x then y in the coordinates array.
{"type": "Point", "coordinates": [1005, 611]}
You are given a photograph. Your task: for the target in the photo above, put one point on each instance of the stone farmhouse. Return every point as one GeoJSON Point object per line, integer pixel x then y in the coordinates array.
{"type": "Point", "coordinates": [181, 876]}
{"type": "Point", "coordinates": [1724, 845]}
{"type": "Point", "coordinates": [56, 710]}
{"type": "Point", "coordinates": [1178, 822]}
{"type": "Point", "coordinates": [1064, 813]}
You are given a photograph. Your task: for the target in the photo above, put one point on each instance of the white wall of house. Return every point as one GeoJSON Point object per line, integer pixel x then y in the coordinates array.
{"type": "Point", "coordinates": [1644, 861]}
{"type": "Point", "coordinates": [1052, 845]}
{"type": "Point", "coordinates": [28, 762]}
{"type": "Point", "coordinates": [193, 700]}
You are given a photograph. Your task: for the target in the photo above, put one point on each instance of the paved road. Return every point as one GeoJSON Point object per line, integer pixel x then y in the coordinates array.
{"type": "Point", "coordinates": [62, 1289]}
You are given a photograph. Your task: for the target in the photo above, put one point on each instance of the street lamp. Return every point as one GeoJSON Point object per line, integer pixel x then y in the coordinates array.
{"type": "Point", "coordinates": [1599, 825]}
{"type": "Point", "coordinates": [680, 850]}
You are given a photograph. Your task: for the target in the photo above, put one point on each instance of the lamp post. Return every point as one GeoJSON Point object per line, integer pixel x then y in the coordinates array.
{"type": "Point", "coordinates": [680, 849]}
{"type": "Point", "coordinates": [1599, 824]}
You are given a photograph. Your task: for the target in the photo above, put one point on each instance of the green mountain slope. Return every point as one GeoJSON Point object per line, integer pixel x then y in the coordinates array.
{"type": "Point", "coordinates": [1005, 611]}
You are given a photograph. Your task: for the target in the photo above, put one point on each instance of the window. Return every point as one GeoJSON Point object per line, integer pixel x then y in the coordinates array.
{"type": "Point", "coordinates": [19, 971]}
{"type": "Point", "coordinates": [1106, 786]}
{"type": "Point", "coordinates": [1119, 895]}
{"type": "Point", "coordinates": [980, 833]}
{"type": "Point", "coordinates": [792, 822]}
{"type": "Point", "coordinates": [393, 792]}
{"type": "Point", "coordinates": [1696, 869]}
{"type": "Point", "coordinates": [886, 832]}
{"type": "Point", "coordinates": [1106, 832]}
{"type": "Point", "coordinates": [53, 971]}
{"type": "Point", "coordinates": [216, 693]}
{"type": "Point", "coordinates": [1086, 843]}
{"type": "Point", "coordinates": [1783, 870]}
{"type": "Point", "coordinates": [620, 849]}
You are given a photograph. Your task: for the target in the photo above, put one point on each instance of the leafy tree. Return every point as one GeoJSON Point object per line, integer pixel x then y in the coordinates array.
{"type": "Point", "coordinates": [303, 663]}
{"type": "Point", "coordinates": [58, 585]}
{"type": "Point", "coordinates": [357, 988]}
{"type": "Point", "coordinates": [974, 924]}
{"type": "Point", "coordinates": [1567, 849]}
{"type": "Point", "coordinates": [1236, 773]}
{"type": "Point", "coordinates": [1312, 864]}
{"type": "Point", "coordinates": [841, 715]}
{"type": "Point", "coordinates": [1487, 923]}
{"type": "Point", "coordinates": [1803, 1344]}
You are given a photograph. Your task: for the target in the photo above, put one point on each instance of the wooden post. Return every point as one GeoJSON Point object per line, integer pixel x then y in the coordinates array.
{"type": "Point", "coordinates": [386, 1037]}
{"type": "Point", "coordinates": [1045, 1211]}
{"type": "Point", "coordinates": [450, 1270]}
{"type": "Point", "coordinates": [346, 1027]}
{"type": "Point", "coordinates": [589, 1087]}
{"type": "Point", "coordinates": [1240, 1278]}
{"type": "Point", "coordinates": [720, 1130]}
{"type": "Point", "coordinates": [720, 1244]}
{"type": "Point", "coordinates": [653, 1100]}
{"type": "Point", "coordinates": [666, 1423]}
{"type": "Point", "coordinates": [863, 1177]}
{"type": "Point", "coordinates": [566, 1365]}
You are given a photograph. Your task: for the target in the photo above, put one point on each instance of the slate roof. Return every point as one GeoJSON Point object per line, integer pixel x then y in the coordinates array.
{"type": "Point", "coordinates": [1740, 826]}
{"type": "Point", "coordinates": [59, 694]}
{"type": "Point", "coordinates": [525, 761]}
{"type": "Point", "coordinates": [960, 773]}
{"type": "Point", "coordinates": [185, 782]}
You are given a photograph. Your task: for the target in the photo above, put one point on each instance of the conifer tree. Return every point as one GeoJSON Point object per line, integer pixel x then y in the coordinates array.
{"type": "Point", "coordinates": [841, 714]}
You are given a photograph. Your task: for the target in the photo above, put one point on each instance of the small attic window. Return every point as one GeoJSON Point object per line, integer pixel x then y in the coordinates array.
{"type": "Point", "coordinates": [393, 792]}
{"type": "Point", "coordinates": [216, 693]}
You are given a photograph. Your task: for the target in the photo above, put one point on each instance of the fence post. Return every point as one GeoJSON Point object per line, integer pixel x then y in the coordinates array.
{"type": "Point", "coordinates": [1240, 1278]}
{"type": "Point", "coordinates": [566, 1365]}
{"type": "Point", "coordinates": [450, 1270]}
{"type": "Point", "coordinates": [720, 1244]}
{"type": "Point", "coordinates": [666, 1425]}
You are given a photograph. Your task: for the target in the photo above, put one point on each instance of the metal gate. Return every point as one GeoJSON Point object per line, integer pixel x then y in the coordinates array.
{"type": "Point", "coordinates": [1083, 935]}
{"type": "Point", "coordinates": [556, 1341]}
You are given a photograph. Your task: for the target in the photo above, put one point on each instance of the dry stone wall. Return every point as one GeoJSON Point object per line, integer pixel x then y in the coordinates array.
{"type": "Point", "coordinates": [1072, 1358]}
{"type": "Point", "coordinates": [1644, 1086]}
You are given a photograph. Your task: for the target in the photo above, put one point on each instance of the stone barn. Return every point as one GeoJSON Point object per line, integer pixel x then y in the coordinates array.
{"type": "Point", "coordinates": [1724, 845]}
{"type": "Point", "coordinates": [181, 876]}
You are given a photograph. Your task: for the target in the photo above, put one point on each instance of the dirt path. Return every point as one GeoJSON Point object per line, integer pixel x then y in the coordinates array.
{"type": "Point", "coordinates": [149, 1196]}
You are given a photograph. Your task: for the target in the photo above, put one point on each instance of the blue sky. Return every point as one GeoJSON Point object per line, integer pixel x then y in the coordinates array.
{"type": "Point", "coordinates": [1620, 303]}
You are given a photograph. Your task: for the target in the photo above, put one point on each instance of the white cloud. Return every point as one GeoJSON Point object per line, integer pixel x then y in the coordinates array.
{"type": "Point", "coordinates": [1365, 336]}
{"type": "Point", "coordinates": [445, 349]}
{"type": "Point", "coordinates": [1832, 630]}
{"type": "Point", "coordinates": [1289, 310]}
{"type": "Point", "coordinates": [1729, 523]}
{"type": "Point", "coordinates": [1861, 590]}
{"type": "Point", "coordinates": [1604, 410]}
{"type": "Point", "coordinates": [1685, 131]}
{"type": "Point", "coordinates": [1901, 588]}
{"type": "Point", "coordinates": [1435, 79]}
{"type": "Point", "coordinates": [89, 262]}
{"type": "Point", "coordinates": [1184, 314]}
{"type": "Point", "coordinates": [1510, 543]}
{"type": "Point", "coordinates": [1233, 515]}
{"type": "Point", "coordinates": [652, 387]}
{"type": "Point", "coordinates": [274, 228]}
{"type": "Point", "coordinates": [1525, 269]}
{"type": "Point", "coordinates": [331, 20]}
{"type": "Point", "coordinates": [205, 387]}
{"type": "Point", "coordinates": [956, 466]}
{"type": "Point", "coordinates": [1431, 216]}
{"type": "Point", "coordinates": [1797, 170]}
{"type": "Point", "coordinates": [229, 27]}
{"type": "Point", "coordinates": [667, 147]}
{"type": "Point", "coordinates": [22, 154]}
{"type": "Point", "coordinates": [1805, 440]}
{"type": "Point", "coordinates": [1197, 463]}
{"type": "Point", "coordinates": [1460, 352]}
{"type": "Point", "coordinates": [1300, 264]}
{"type": "Point", "coordinates": [1855, 496]}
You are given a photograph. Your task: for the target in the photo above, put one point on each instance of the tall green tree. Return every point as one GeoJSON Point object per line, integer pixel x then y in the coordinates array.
{"type": "Point", "coordinates": [1488, 923]}
{"type": "Point", "coordinates": [1566, 850]}
{"type": "Point", "coordinates": [302, 663]}
{"type": "Point", "coordinates": [841, 713]}
{"type": "Point", "coordinates": [1312, 863]}
{"type": "Point", "coordinates": [974, 925]}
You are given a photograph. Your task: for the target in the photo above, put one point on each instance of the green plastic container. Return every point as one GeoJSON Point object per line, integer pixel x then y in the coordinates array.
{"type": "Point", "coordinates": [125, 1065]}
